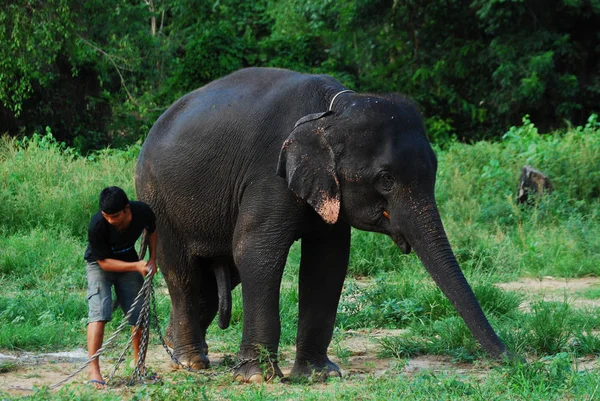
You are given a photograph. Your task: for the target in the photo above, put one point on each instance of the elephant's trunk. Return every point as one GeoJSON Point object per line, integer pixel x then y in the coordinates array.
{"type": "Point", "coordinates": [428, 239]}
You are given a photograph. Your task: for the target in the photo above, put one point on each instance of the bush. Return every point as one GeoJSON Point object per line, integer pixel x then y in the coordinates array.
{"type": "Point", "coordinates": [43, 183]}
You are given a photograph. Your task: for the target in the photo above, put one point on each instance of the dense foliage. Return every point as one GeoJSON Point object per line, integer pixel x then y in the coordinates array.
{"type": "Point", "coordinates": [100, 72]}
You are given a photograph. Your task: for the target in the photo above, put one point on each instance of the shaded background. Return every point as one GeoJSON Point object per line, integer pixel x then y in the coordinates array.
{"type": "Point", "coordinates": [99, 73]}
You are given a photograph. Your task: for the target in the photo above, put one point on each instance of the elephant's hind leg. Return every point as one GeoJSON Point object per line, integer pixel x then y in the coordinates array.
{"type": "Point", "coordinates": [192, 288]}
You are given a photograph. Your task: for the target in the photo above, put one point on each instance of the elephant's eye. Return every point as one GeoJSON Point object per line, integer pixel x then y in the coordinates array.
{"type": "Point", "coordinates": [385, 181]}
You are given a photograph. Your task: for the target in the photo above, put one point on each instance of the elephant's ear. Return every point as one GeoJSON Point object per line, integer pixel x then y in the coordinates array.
{"type": "Point", "coordinates": [307, 163]}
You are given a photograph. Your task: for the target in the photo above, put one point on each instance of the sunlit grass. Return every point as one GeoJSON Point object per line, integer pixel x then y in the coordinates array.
{"type": "Point", "coordinates": [552, 378]}
{"type": "Point", "coordinates": [48, 194]}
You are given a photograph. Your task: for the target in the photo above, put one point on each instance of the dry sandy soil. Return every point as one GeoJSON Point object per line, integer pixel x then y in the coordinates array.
{"type": "Point", "coordinates": [555, 289]}
{"type": "Point", "coordinates": [30, 369]}
{"type": "Point", "coordinates": [46, 369]}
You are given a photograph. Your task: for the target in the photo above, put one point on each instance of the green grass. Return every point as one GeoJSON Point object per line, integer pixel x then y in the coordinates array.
{"type": "Point", "coordinates": [46, 185]}
{"type": "Point", "coordinates": [48, 194]}
{"type": "Point", "coordinates": [592, 293]}
{"type": "Point", "coordinates": [554, 378]}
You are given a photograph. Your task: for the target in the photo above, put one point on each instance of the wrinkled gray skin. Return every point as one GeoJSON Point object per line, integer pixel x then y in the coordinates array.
{"type": "Point", "coordinates": [239, 169]}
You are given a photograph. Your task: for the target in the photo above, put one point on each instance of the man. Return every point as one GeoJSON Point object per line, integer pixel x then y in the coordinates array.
{"type": "Point", "coordinates": [112, 260]}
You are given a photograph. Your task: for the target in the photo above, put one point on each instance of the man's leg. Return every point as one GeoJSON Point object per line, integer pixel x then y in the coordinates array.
{"type": "Point", "coordinates": [99, 312]}
{"type": "Point", "coordinates": [95, 336]}
{"type": "Point", "coordinates": [137, 338]}
{"type": "Point", "coordinates": [127, 288]}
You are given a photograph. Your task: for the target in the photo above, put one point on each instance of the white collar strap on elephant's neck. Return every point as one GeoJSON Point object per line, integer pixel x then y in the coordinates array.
{"type": "Point", "coordinates": [336, 95]}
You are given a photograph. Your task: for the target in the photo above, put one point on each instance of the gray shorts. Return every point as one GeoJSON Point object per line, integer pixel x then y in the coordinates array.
{"type": "Point", "coordinates": [99, 295]}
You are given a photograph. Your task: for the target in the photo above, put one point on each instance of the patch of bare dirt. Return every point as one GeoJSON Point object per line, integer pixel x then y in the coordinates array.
{"type": "Point", "coordinates": [549, 283]}
{"type": "Point", "coordinates": [355, 353]}
{"type": "Point", "coordinates": [363, 346]}
{"type": "Point", "coordinates": [571, 290]}
{"type": "Point", "coordinates": [25, 370]}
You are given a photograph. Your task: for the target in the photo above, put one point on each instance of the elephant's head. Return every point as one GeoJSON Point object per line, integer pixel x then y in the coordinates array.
{"type": "Point", "coordinates": [369, 163]}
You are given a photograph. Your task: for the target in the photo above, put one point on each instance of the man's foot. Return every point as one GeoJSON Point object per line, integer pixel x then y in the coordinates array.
{"type": "Point", "coordinates": [98, 384]}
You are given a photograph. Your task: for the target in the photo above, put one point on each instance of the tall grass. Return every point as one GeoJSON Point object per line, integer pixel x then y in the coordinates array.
{"type": "Point", "coordinates": [44, 184]}
{"type": "Point", "coordinates": [48, 194]}
{"type": "Point", "coordinates": [559, 235]}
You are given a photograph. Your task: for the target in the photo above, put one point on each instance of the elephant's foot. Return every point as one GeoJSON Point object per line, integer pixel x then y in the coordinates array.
{"type": "Point", "coordinates": [315, 371]}
{"type": "Point", "coordinates": [195, 362]}
{"type": "Point", "coordinates": [168, 338]}
{"type": "Point", "coordinates": [170, 341]}
{"type": "Point", "coordinates": [255, 371]}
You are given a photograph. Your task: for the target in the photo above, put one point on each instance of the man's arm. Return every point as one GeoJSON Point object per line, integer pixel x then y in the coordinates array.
{"type": "Point", "coordinates": [115, 265]}
{"type": "Point", "coordinates": [152, 239]}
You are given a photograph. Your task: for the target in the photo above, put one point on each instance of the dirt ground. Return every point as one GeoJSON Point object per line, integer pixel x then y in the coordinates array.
{"type": "Point", "coordinates": [26, 370]}
{"type": "Point", "coordinates": [555, 289]}
{"type": "Point", "coordinates": [46, 369]}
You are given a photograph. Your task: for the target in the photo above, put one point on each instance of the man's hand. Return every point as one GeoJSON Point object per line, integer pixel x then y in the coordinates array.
{"type": "Point", "coordinates": [151, 266]}
{"type": "Point", "coordinates": [143, 267]}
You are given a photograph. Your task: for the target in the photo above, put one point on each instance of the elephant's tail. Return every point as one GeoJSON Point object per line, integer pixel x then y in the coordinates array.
{"type": "Point", "coordinates": [223, 276]}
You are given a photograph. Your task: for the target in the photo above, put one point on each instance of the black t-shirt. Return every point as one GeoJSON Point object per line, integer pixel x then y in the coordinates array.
{"type": "Point", "coordinates": [105, 241]}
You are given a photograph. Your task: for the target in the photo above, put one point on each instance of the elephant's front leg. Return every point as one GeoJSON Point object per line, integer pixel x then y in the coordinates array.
{"type": "Point", "coordinates": [322, 271]}
{"type": "Point", "coordinates": [260, 258]}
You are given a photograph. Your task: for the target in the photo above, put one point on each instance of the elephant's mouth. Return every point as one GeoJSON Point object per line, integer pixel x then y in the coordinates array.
{"type": "Point", "coordinates": [402, 243]}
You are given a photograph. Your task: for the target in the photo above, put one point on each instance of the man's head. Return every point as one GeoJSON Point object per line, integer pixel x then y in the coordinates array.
{"type": "Point", "coordinates": [114, 206]}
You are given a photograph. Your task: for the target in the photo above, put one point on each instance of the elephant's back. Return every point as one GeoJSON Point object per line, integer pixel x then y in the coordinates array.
{"type": "Point", "coordinates": [242, 119]}
{"type": "Point", "coordinates": [232, 105]}
{"type": "Point", "coordinates": [211, 143]}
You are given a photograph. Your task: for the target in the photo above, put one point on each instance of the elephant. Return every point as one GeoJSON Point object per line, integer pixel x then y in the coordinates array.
{"type": "Point", "coordinates": [241, 168]}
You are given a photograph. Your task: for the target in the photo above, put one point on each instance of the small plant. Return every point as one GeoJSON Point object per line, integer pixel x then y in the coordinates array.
{"type": "Point", "coordinates": [267, 362]}
{"type": "Point", "coordinates": [341, 352]}
{"type": "Point", "coordinates": [549, 327]}
{"type": "Point", "coordinates": [391, 301]}
{"type": "Point", "coordinates": [435, 304]}
{"type": "Point", "coordinates": [228, 360]}
{"type": "Point", "coordinates": [452, 337]}
{"type": "Point", "coordinates": [401, 310]}
{"type": "Point", "coordinates": [495, 301]}
{"type": "Point", "coordinates": [400, 347]}
{"type": "Point", "coordinates": [6, 367]}
{"type": "Point", "coordinates": [544, 376]}
{"type": "Point", "coordinates": [585, 343]}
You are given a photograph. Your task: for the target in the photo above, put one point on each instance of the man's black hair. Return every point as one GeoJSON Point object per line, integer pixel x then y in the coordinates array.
{"type": "Point", "coordinates": [113, 200]}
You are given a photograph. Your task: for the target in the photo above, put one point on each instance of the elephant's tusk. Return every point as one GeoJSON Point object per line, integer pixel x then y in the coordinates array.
{"type": "Point", "coordinates": [386, 215]}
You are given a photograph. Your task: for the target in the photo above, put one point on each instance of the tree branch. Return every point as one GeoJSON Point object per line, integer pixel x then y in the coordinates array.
{"type": "Point", "coordinates": [111, 58]}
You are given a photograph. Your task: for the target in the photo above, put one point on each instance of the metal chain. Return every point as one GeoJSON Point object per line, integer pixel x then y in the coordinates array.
{"type": "Point", "coordinates": [143, 321]}
{"type": "Point", "coordinates": [108, 343]}
{"type": "Point", "coordinates": [148, 313]}
{"type": "Point", "coordinates": [158, 331]}
{"type": "Point", "coordinates": [140, 371]}
{"type": "Point", "coordinates": [241, 362]}
{"type": "Point", "coordinates": [141, 324]}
